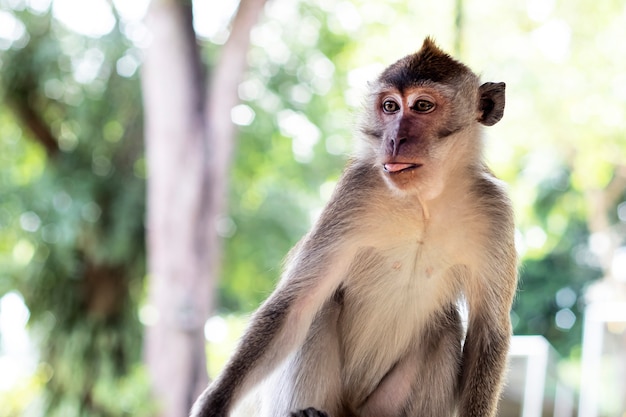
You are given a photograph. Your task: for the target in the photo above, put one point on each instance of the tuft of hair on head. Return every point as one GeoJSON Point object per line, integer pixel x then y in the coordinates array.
{"type": "Point", "coordinates": [430, 46]}
{"type": "Point", "coordinates": [429, 63]}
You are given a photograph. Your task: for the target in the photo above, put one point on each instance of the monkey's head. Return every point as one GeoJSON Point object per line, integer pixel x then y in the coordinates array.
{"type": "Point", "coordinates": [422, 118]}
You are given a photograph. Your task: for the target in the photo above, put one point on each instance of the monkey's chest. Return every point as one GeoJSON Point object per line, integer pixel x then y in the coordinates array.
{"type": "Point", "coordinates": [397, 286]}
{"type": "Point", "coordinates": [389, 296]}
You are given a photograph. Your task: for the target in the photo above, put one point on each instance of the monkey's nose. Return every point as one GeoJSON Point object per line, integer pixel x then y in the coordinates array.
{"type": "Point", "coordinates": [395, 144]}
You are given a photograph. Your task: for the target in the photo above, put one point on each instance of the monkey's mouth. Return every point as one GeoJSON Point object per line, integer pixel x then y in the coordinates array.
{"type": "Point", "coordinates": [397, 167]}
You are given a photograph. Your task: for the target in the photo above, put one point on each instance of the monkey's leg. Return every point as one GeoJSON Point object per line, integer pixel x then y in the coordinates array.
{"type": "Point", "coordinates": [310, 383]}
{"type": "Point", "coordinates": [424, 383]}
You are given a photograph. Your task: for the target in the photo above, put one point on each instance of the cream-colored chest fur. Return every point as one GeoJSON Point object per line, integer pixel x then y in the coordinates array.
{"type": "Point", "coordinates": [398, 278]}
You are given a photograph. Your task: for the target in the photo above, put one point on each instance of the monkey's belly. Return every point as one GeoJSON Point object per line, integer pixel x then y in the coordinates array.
{"type": "Point", "coordinates": [388, 299]}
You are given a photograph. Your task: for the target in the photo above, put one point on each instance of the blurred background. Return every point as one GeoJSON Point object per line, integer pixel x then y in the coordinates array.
{"type": "Point", "coordinates": [158, 160]}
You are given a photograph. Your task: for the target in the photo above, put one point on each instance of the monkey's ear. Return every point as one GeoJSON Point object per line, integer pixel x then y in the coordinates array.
{"type": "Point", "coordinates": [491, 103]}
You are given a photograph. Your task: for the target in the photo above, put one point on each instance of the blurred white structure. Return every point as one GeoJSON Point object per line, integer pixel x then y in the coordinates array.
{"type": "Point", "coordinates": [603, 379]}
{"type": "Point", "coordinates": [533, 388]}
{"type": "Point", "coordinates": [603, 373]}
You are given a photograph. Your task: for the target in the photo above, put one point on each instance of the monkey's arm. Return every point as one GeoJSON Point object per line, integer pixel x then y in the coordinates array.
{"type": "Point", "coordinates": [276, 329]}
{"type": "Point", "coordinates": [486, 347]}
{"type": "Point", "coordinates": [490, 296]}
{"type": "Point", "coordinates": [483, 365]}
{"type": "Point", "coordinates": [280, 325]}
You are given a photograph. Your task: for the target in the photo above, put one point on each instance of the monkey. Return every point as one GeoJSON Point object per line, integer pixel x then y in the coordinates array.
{"type": "Point", "coordinates": [365, 320]}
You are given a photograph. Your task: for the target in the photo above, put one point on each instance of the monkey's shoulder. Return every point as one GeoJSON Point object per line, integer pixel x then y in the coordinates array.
{"type": "Point", "coordinates": [491, 200]}
{"type": "Point", "coordinates": [488, 189]}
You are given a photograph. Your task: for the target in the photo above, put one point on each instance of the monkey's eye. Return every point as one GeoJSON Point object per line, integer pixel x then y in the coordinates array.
{"type": "Point", "coordinates": [423, 106]}
{"type": "Point", "coordinates": [390, 106]}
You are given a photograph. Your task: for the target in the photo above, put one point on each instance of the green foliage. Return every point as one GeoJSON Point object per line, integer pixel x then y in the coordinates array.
{"type": "Point", "coordinates": [71, 213]}
{"type": "Point", "coordinates": [93, 371]}
{"type": "Point", "coordinates": [279, 171]}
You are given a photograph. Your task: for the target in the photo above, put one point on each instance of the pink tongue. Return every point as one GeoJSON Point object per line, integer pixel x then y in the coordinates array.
{"type": "Point", "coordinates": [397, 167]}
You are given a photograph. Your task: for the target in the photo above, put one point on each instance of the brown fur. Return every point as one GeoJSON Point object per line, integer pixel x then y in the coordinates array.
{"type": "Point", "coordinates": [365, 320]}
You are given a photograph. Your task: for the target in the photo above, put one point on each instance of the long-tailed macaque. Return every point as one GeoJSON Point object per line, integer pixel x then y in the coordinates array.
{"type": "Point", "coordinates": [365, 320]}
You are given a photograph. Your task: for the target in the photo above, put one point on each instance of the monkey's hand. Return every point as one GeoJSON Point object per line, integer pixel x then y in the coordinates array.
{"type": "Point", "coordinates": [309, 412]}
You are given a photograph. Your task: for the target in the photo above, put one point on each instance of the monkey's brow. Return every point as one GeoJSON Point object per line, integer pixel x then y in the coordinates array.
{"type": "Point", "coordinates": [444, 89]}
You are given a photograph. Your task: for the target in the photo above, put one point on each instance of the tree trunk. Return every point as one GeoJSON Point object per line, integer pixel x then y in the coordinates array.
{"type": "Point", "coordinates": [177, 223]}
{"type": "Point", "coordinates": [222, 95]}
{"type": "Point", "coordinates": [188, 151]}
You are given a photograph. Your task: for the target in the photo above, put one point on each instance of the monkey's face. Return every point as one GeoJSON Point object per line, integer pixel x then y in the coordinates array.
{"type": "Point", "coordinates": [416, 131]}
{"type": "Point", "coordinates": [420, 120]}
